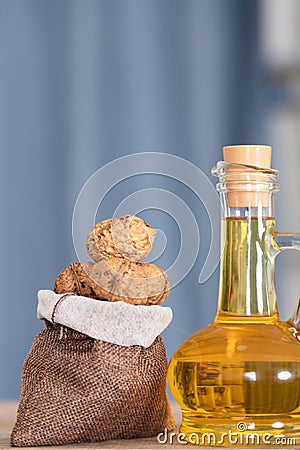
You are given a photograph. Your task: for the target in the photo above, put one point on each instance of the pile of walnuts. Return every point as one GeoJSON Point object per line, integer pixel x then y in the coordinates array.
{"type": "Point", "coordinates": [117, 247]}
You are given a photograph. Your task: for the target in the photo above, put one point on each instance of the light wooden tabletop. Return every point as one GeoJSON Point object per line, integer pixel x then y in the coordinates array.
{"type": "Point", "coordinates": [8, 415]}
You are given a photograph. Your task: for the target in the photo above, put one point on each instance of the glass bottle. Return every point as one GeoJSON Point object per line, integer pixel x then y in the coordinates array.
{"type": "Point", "coordinates": [237, 381]}
{"type": "Point", "coordinates": [293, 323]}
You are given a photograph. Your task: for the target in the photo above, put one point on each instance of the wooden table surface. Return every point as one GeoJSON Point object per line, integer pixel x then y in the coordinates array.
{"type": "Point", "coordinates": [8, 414]}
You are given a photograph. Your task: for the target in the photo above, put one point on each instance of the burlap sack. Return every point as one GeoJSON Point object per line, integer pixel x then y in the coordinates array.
{"type": "Point", "coordinates": [78, 389]}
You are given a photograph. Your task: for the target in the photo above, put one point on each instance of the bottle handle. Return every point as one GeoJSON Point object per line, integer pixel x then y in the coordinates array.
{"type": "Point", "coordinates": [288, 241]}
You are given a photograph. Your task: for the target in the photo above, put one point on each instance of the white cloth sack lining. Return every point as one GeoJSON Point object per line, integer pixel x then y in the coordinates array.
{"type": "Point", "coordinates": [115, 322]}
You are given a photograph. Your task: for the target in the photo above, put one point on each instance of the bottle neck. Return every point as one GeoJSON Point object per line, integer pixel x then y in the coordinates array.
{"type": "Point", "coordinates": [247, 271]}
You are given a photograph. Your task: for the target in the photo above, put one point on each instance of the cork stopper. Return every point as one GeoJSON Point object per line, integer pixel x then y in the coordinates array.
{"type": "Point", "coordinates": [247, 187]}
{"type": "Point", "coordinates": [252, 155]}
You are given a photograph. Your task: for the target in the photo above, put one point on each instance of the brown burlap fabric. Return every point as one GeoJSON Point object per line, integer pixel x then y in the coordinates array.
{"type": "Point", "coordinates": [77, 389]}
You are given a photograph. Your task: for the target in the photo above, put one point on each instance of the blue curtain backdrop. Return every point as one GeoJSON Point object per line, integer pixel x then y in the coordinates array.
{"type": "Point", "coordinates": [83, 82]}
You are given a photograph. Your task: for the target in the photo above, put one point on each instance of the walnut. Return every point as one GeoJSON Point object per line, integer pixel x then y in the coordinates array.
{"type": "Point", "coordinates": [136, 283]}
{"type": "Point", "coordinates": [75, 279]}
{"type": "Point", "coordinates": [124, 237]}
{"type": "Point", "coordinates": [114, 280]}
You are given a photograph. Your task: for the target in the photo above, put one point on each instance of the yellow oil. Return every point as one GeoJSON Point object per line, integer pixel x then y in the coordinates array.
{"type": "Point", "coordinates": [237, 381]}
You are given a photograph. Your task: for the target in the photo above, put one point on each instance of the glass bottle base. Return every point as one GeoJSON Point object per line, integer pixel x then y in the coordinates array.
{"type": "Point", "coordinates": [238, 385]}
{"type": "Point", "coordinates": [247, 432]}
